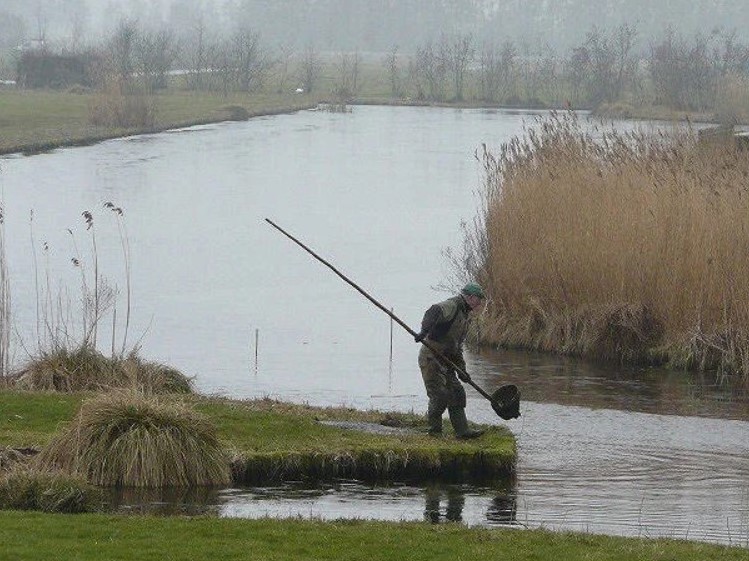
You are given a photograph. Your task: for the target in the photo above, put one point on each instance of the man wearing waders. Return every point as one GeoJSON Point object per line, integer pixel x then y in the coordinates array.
{"type": "Point", "coordinates": [444, 328]}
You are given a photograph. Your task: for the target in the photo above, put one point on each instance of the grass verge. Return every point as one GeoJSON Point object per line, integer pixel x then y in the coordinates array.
{"type": "Point", "coordinates": [32, 536]}
{"type": "Point", "coordinates": [36, 121]}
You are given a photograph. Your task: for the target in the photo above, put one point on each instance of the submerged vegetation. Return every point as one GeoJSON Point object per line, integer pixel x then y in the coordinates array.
{"type": "Point", "coordinates": [618, 246]}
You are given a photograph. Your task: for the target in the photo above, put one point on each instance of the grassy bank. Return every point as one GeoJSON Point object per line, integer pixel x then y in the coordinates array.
{"type": "Point", "coordinates": [270, 440]}
{"type": "Point", "coordinates": [27, 537]}
{"type": "Point", "coordinates": [34, 121]}
{"type": "Point", "coordinates": [625, 248]}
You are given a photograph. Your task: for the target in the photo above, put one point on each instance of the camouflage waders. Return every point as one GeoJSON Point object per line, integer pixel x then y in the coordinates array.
{"type": "Point", "coordinates": [446, 324]}
{"type": "Point", "coordinates": [443, 390]}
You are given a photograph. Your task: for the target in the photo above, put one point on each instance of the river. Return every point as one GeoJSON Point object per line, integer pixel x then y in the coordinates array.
{"type": "Point", "coordinates": [380, 192]}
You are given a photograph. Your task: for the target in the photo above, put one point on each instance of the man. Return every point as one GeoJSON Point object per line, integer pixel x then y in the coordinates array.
{"type": "Point", "coordinates": [444, 329]}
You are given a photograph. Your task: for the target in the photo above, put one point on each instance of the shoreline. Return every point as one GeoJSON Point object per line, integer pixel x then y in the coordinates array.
{"type": "Point", "coordinates": [31, 149]}
{"type": "Point", "coordinates": [240, 109]}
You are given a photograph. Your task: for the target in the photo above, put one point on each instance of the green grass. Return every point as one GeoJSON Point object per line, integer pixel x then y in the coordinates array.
{"type": "Point", "coordinates": [271, 440]}
{"type": "Point", "coordinates": [29, 419]}
{"type": "Point", "coordinates": [32, 536]}
{"type": "Point", "coordinates": [33, 121]}
{"type": "Point", "coordinates": [275, 440]}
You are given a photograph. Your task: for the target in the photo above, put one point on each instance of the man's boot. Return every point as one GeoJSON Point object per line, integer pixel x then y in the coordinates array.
{"type": "Point", "coordinates": [434, 419]}
{"type": "Point", "coordinates": [460, 424]}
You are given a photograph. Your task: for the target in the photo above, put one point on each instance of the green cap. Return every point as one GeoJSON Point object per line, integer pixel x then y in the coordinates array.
{"type": "Point", "coordinates": [473, 289]}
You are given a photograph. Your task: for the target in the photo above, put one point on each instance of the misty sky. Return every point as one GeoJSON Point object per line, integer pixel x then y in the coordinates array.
{"type": "Point", "coordinates": [371, 25]}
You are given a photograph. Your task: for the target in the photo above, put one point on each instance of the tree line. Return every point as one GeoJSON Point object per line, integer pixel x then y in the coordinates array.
{"type": "Point", "coordinates": [694, 72]}
{"type": "Point", "coordinates": [686, 72]}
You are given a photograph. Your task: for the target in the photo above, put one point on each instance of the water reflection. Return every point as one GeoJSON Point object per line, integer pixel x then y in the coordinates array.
{"type": "Point", "coordinates": [454, 510]}
{"type": "Point", "coordinates": [436, 502]}
{"type": "Point", "coordinates": [495, 505]}
{"type": "Point", "coordinates": [446, 503]}
{"type": "Point", "coordinates": [546, 378]}
{"type": "Point", "coordinates": [165, 501]}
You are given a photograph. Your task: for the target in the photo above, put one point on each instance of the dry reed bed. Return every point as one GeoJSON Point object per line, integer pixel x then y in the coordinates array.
{"type": "Point", "coordinates": [620, 246]}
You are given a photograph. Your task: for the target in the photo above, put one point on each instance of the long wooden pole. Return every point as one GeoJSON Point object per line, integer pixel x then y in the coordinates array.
{"type": "Point", "coordinates": [395, 318]}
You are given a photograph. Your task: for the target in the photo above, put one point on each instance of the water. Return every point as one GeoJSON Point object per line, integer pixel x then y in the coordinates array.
{"type": "Point", "coordinates": [380, 192]}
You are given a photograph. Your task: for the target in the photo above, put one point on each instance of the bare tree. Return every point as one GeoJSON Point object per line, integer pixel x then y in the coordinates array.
{"type": "Point", "coordinates": [155, 53]}
{"type": "Point", "coordinates": [120, 55]}
{"type": "Point", "coordinates": [497, 71]}
{"type": "Point", "coordinates": [460, 53]}
{"type": "Point", "coordinates": [606, 64]}
{"type": "Point", "coordinates": [347, 82]}
{"type": "Point", "coordinates": [428, 70]}
{"type": "Point", "coordinates": [195, 52]}
{"type": "Point", "coordinates": [250, 60]}
{"type": "Point", "coordinates": [221, 63]}
{"type": "Point", "coordinates": [310, 69]}
{"type": "Point", "coordinates": [41, 18]}
{"type": "Point", "coordinates": [283, 66]}
{"type": "Point", "coordinates": [683, 72]}
{"type": "Point", "coordinates": [77, 16]}
{"type": "Point", "coordinates": [546, 77]}
{"type": "Point", "coordinates": [393, 71]}
{"type": "Point", "coordinates": [733, 55]}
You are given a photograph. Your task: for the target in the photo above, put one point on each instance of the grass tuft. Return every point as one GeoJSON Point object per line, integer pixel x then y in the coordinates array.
{"type": "Point", "coordinates": [86, 369]}
{"type": "Point", "coordinates": [23, 488]}
{"type": "Point", "coordinates": [128, 439]}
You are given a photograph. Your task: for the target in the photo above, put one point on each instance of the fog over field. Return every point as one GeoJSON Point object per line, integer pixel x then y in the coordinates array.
{"type": "Point", "coordinates": [369, 25]}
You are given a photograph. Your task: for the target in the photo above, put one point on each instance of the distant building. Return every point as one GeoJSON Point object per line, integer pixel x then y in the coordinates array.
{"type": "Point", "coordinates": [42, 69]}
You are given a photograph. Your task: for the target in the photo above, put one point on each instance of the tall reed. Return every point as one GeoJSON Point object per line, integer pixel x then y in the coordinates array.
{"type": "Point", "coordinates": [625, 246]}
{"type": "Point", "coordinates": [5, 316]}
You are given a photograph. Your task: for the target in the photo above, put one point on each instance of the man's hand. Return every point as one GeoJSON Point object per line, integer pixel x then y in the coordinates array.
{"type": "Point", "coordinates": [464, 377]}
{"type": "Point", "coordinates": [420, 337]}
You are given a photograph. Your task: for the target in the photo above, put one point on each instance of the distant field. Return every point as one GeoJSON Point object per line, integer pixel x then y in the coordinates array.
{"type": "Point", "coordinates": [38, 120]}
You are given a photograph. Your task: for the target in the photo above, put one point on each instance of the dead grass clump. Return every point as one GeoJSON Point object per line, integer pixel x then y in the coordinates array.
{"type": "Point", "coordinates": [24, 488]}
{"type": "Point", "coordinates": [617, 245]}
{"type": "Point", "coordinates": [114, 108]}
{"type": "Point", "coordinates": [10, 457]}
{"type": "Point", "coordinates": [86, 369]}
{"type": "Point", "coordinates": [65, 370]}
{"type": "Point", "coordinates": [236, 113]}
{"type": "Point", "coordinates": [154, 377]}
{"type": "Point", "coordinates": [624, 333]}
{"type": "Point", "coordinates": [128, 439]}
